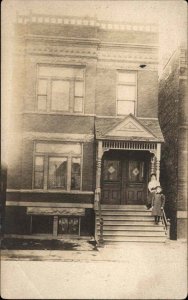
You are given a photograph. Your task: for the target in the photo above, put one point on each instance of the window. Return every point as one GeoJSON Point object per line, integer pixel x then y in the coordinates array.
{"type": "Point", "coordinates": [68, 225]}
{"type": "Point", "coordinates": [57, 174]}
{"type": "Point", "coordinates": [60, 88]}
{"type": "Point", "coordinates": [39, 172]}
{"type": "Point", "coordinates": [126, 93]}
{"type": "Point", "coordinates": [111, 170]}
{"type": "Point", "coordinates": [57, 166]}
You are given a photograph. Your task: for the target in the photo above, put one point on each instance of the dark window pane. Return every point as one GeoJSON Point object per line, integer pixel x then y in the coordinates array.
{"type": "Point", "coordinates": [73, 225]}
{"type": "Point", "coordinates": [42, 224]}
{"type": "Point", "coordinates": [111, 170]}
{"type": "Point", "coordinates": [75, 174]}
{"type": "Point", "coordinates": [63, 225]}
{"type": "Point", "coordinates": [136, 171]}
{"type": "Point", "coordinates": [57, 177]}
{"type": "Point", "coordinates": [39, 172]}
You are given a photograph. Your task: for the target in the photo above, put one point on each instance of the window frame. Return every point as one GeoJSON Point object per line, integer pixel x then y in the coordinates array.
{"type": "Point", "coordinates": [72, 82]}
{"type": "Point", "coordinates": [126, 83]}
{"type": "Point", "coordinates": [46, 157]}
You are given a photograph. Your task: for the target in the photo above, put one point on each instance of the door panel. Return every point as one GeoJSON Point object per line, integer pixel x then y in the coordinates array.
{"type": "Point", "coordinates": [133, 182]}
{"type": "Point", "coordinates": [111, 186]}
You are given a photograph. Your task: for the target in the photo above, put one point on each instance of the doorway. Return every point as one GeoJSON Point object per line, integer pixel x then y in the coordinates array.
{"type": "Point", "coordinates": [124, 177]}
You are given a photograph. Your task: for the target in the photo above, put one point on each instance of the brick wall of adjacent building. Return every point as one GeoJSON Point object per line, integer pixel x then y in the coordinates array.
{"type": "Point", "coordinates": [173, 118]}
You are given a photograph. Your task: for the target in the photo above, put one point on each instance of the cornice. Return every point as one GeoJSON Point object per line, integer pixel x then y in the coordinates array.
{"type": "Point", "coordinates": [87, 41]}
{"type": "Point", "coordinates": [83, 21]}
{"type": "Point", "coordinates": [64, 39]}
{"type": "Point", "coordinates": [91, 52]}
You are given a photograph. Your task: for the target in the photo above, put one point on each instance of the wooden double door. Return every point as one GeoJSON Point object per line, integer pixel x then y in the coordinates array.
{"type": "Point", "coordinates": [124, 179]}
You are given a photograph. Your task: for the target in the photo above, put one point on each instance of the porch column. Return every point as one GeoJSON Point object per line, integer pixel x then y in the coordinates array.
{"type": "Point", "coordinates": [158, 159]}
{"type": "Point", "coordinates": [98, 174]}
{"type": "Point", "coordinates": [152, 170]}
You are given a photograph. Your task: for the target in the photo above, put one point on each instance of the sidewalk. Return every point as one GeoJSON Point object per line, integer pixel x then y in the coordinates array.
{"type": "Point", "coordinates": [113, 253]}
{"type": "Point", "coordinates": [129, 271]}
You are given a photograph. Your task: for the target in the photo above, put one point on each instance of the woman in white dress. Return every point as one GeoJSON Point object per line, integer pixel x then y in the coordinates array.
{"type": "Point", "coordinates": [151, 188]}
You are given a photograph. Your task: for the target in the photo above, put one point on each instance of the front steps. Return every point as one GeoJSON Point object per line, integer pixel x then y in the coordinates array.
{"type": "Point", "coordinates": [129, 223]}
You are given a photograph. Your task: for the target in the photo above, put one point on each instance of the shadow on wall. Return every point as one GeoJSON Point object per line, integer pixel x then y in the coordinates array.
{"type": "Point", "coordinates": [170, 191]}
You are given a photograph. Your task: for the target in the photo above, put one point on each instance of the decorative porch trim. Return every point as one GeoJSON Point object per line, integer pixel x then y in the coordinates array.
{"type": "Point", "coordinates": [152, 147]}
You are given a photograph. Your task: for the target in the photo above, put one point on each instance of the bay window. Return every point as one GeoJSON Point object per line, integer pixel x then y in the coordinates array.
{"type": "Point", "coordinates": [60, 88]}
{"type": "Point", "coordinates": [57, 166]}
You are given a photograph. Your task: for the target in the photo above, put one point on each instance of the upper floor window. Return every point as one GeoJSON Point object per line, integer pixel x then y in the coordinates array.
{"type": "Point", "coordinates": [57, 166]}
{"type": "Point", "coordinates": [60, 88]}
{"type": "Point", "coordinates": [126, 92]}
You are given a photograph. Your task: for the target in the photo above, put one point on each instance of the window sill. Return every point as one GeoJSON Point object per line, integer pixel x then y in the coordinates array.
{"type": "Point", "coordinates": [58, 113]}
{"type": "Point", "coordinates": [50, 191]}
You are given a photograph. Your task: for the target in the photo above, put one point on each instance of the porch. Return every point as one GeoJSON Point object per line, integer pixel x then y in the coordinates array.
{"type": "Point", "coordinates": [127, 154]}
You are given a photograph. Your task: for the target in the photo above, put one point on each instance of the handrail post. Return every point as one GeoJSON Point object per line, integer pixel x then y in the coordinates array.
{"type": "Point", "coordinates": [168, 228]}
{"type": "Point", "coordinates": [166, 223]}
{"type": "Point", "coordinates": [101, 241]}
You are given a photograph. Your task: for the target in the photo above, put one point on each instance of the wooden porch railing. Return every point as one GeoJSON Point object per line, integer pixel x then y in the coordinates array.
{"type": "Point", "coordinates": [97, 207]}
{"type": "Point", "coordinates": [166, 223]}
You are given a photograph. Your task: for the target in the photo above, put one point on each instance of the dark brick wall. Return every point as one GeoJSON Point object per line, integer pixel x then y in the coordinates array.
{"type": "Point", "coordinates": [88, 32]}
{"type": "Point", "coordinates": [88, 167]}
{"type": "Point", "coordinates": [57, 30]}
{"type": "Point", "coordinates": [58, 123]}
{"type": "Point", "coordinates": [173, 160]}
{"type": "Point", "coordinates": [50, 197]}
{"type": "Point", "coordinates": [128, 37]}
{"type": "Point", "coordinates": [27, 164]}
{"type": "Point", "coordinates": [147, 94]}
{"type": "Point", "coordinates": [105, 92]}
{"type": "Point", "coordinates": [17, 221]}
{"type": "Point", "coordinates": [90, 85]}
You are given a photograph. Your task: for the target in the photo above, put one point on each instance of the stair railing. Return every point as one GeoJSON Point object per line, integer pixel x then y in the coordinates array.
{"type": "Point", "coordinates": [98, 209]}
{"type": "Point", "coordinates": [101, 241]}
{"type": "Point", "coordinates": [166, 223]}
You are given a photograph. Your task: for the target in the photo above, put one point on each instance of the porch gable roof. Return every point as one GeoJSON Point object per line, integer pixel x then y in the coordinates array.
{"type": "Point", "coordinates": [129, 128]}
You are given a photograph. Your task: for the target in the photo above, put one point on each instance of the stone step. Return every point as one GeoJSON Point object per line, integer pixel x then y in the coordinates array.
{"type": "Point", "coordinates": [132, 227]}
{"type": "Point", "coordinates": [117, 233]}
{"type": "Point", "coordinates": [124, 213]}
{"type": "Point", "coordinates": [107, 206]}
{"type": "Point", "coordinates": [129, 222]}
{"type": "Point", "coordinates": [127, 217]}
{"type": "Point", "coordinates": [152, 239]}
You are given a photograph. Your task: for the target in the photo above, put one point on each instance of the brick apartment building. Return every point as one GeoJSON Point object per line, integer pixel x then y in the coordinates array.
{"type": "Point", "coordinates": [173, 116]}
{"type": "Point", "coordinates": [87, 135]}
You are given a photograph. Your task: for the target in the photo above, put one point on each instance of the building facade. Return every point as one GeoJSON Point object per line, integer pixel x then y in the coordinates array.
{"type": "Point", "coordinates": [173, 118]}
{"type": "Point", "coordinates": [86, 122]}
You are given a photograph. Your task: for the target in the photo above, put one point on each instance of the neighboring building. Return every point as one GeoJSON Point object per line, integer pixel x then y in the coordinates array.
{"type": "Point", "coordinates": [173, 117]}
{"type": "Point", "coordinates": [86, 94]}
